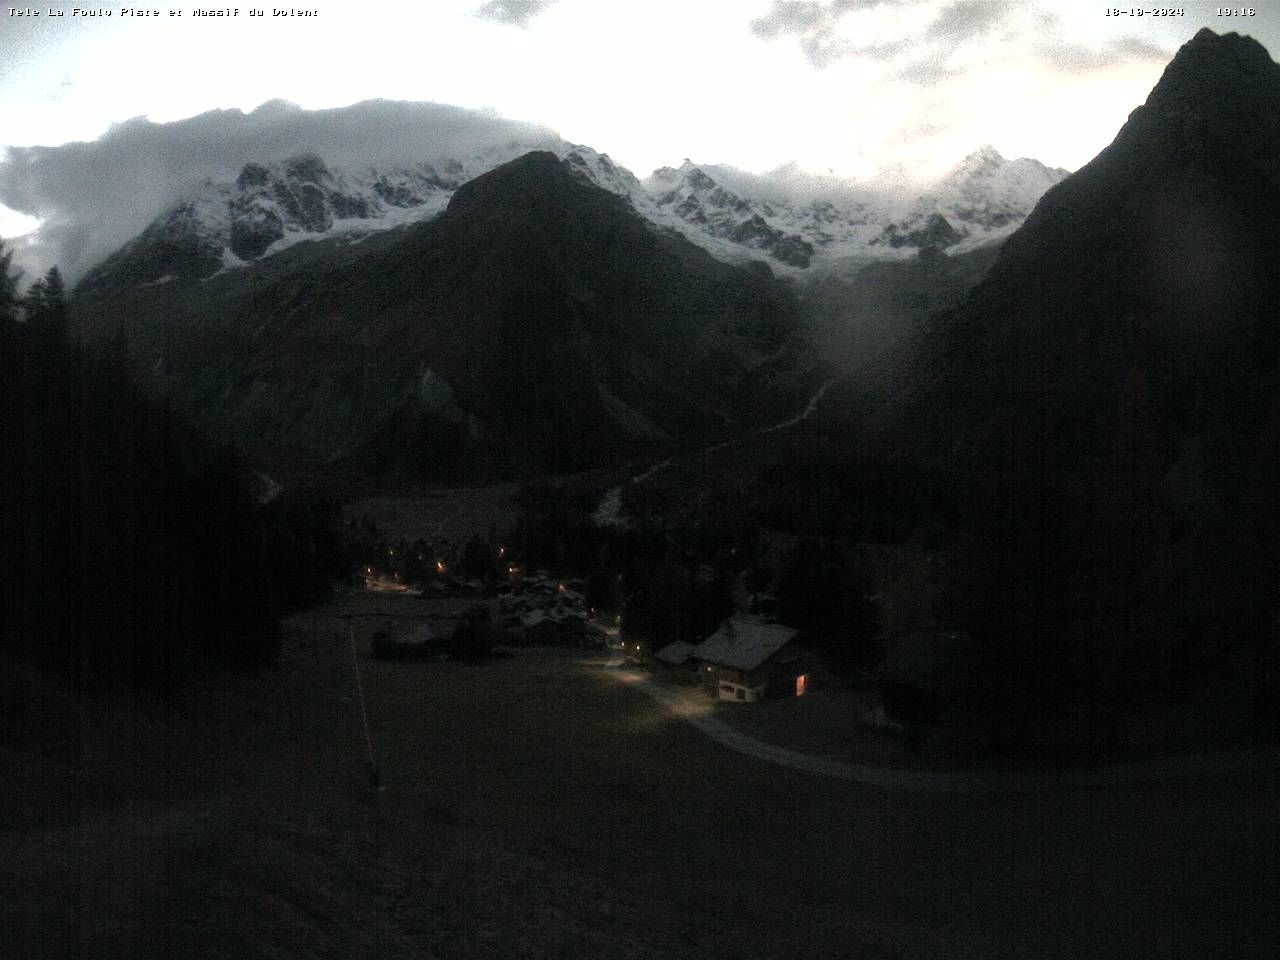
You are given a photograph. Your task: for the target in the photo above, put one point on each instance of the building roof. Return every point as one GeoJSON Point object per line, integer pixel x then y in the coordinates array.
{"type": "Point", "coordinates": [743, 643]}
{"type": "Point", "coordinates": [532, 618]}
{"type": "Point", "coordinates": [675, 653]}
{"type": "Point", "coordinates": [422, 634]}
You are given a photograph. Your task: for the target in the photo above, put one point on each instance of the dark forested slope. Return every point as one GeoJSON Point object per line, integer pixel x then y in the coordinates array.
{"type": "Point", "coordinates": [135, 550]}
{"type": "Point", "coordinates": [1108, 402]}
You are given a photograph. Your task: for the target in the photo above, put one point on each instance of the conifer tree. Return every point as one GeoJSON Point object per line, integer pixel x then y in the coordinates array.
{"type": "Point", "coordinates": [45, 305]}
{"type": "Point", "coordinates": [33, 302]}
{"type": "Point", "coordinates": [55, 295]}
{"type": "Point", "coordinates": [8, 286]}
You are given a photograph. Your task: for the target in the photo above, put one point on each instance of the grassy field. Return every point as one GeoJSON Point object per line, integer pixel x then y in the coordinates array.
{"type": "Point", "coordinates": [531, 809]}
{"type": "Point", "coordinates": [826, 722]}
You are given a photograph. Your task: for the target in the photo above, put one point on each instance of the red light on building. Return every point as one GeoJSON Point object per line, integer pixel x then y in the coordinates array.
{"type": "Point", "coordinates": [800, 684]}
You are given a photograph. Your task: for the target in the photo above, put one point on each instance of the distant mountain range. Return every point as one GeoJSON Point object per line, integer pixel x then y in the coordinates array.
{"type": "Point", "coordinates": [271, 206]}
{"type": "Point", "coordinates": [537, 324]}
{"type": "Point", "coordinates": [292, 308]}
{"type": "Point", "coordinates": [396, 323]}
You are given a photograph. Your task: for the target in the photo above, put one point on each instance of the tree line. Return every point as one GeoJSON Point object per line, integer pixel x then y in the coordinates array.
{"type": "Point", "coordinates": [137, 550]}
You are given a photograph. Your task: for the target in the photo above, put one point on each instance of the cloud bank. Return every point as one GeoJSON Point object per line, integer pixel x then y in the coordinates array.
{"type": "Point", "coordinates": [93, 197]}
{"type": "Point", "coordinates": [919, 39]}
{"type": "Point", "coordinates": [517, 13]}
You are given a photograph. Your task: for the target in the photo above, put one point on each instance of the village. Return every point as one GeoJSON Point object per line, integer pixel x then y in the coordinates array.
{"type": "Point", "coordinates": [750, 657]}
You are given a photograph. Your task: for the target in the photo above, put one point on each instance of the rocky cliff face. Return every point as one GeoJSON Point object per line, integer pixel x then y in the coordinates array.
{"type": "Point", "coordinates": [694, 199]}
{"type": "Point", "coordinates": [270, 207]}
{"type": "Point", "coordinates": [1109, 396]}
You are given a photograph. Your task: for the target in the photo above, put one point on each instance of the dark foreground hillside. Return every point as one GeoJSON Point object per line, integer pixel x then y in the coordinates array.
{"type": "Point", "coordinates": [535, 808]}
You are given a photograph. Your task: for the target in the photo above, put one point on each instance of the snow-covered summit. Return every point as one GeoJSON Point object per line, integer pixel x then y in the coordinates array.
{"type": "Point", "coordinates": [983, 198]}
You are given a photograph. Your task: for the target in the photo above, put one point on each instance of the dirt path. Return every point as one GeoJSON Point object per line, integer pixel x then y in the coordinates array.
{"type": "Point", "coordinates": [1114, 774]}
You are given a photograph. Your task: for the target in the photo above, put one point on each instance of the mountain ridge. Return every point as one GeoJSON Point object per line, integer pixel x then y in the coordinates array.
{"type": "Point", "coordinates": [269, 207]}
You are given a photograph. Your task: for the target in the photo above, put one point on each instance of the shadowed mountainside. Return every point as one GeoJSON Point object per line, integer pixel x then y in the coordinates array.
{"type": "Point", "coordinates": [538, 325]}
{"type": "Point", "coordinates": [1107, 400]}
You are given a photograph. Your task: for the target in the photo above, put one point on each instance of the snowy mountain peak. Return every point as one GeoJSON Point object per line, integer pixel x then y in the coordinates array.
{"type": "Point", "coordinates": [985, 197]}
{"type": "Point", "coordinates": [730, 225]}
{"type": "Point", "coordinates": [986, 171]}
{"type": "Point", "coordinates": [597, 168]}
{"type": "Point", "coordinates": [985, 157]}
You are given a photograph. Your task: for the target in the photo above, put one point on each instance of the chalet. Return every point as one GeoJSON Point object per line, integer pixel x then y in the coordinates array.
{"type": "Point", "coordinates": [766, 606]}
{"type": "Point", "coordinates": [674, 654]}
{"type": "Point", "coordinates": [594, 636]}
{"type": "Point", "coordinates": [538, 629]}
{"type": "Point", "coordinates": [570, 623]}
{"type": "Point", "coordinates": [675, 659]}
{"type": "Point", "coordinates": [748, 659]}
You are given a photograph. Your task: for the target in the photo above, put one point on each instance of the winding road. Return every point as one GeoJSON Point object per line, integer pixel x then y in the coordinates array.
{"type": "Point", "coordinates": [931, 781]}
{"type": "Point", "coordinates": [609, 512]}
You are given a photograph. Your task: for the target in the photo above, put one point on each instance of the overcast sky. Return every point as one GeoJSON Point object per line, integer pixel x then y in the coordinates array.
{"type": "Point", "coordinates": [856, 87]}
